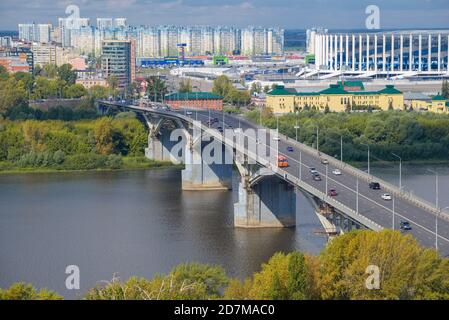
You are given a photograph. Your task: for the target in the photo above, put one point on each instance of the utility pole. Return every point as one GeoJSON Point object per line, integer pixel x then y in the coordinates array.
{"type": "Point", "coordinates": [317, 139]}
{"type": "Point", "coordinates": [393, 211]}
{"type": "Point", "coordinates": [400, 170]}
{"type": "Point", "coordinates": [341, 148]}
{"type": "Point", "coordinates": [369, 170]}
{"type": "Point", "coordinates": [357, 198]}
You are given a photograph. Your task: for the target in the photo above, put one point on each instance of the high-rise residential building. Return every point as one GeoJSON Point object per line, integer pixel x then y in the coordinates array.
{"type": "Point", "coordinates": [83, 40]}
{"type": "Point", "coordinates": [66, 26]}
{"type": "Point", "coordinates": [118, 60]}
{"type": "Point", "coordinates": [120, 23]}
{"type": "Point", "coordinates": [5, 42]}
{"type": "Point", "coordinates": [105, 23]}
{"type": "Point", "coordinates": [32, 32]}
{"type": "Point", "coordinates": [265, 41]}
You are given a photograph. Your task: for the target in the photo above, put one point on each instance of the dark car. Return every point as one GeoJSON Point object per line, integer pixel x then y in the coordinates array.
{"type": "Point", "coordinates": [215, 120]}
{"type": "Point", "coordinates": [317, 177]}
{"type": "Point", "coordinates": [374, 185]}
{"type": "Point", "coordinates": [290, 149]}
{"type": "Point", "coordinates": [220, 129]}
{"type": "Point", "coordinates": [333, 193]}
{"type": "Point", "coordinates": [405, 225]}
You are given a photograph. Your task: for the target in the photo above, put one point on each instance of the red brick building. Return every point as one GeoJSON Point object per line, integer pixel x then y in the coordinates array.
{"type": "Point", "coordinates": [197, 100]}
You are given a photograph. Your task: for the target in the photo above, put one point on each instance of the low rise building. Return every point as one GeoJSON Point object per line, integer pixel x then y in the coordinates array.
{"type": "Point", "coordinates": [439, 104]}
{"type": "Point", "coordinates": [92, 82]}
{"type": "Point", "coordinates": [197, 100]}
{"type": "Point", "coordinates": [335, 98]}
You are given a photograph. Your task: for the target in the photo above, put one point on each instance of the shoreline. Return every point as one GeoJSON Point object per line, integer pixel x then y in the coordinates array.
{"type": "Point", "coordinates": [152, 166]}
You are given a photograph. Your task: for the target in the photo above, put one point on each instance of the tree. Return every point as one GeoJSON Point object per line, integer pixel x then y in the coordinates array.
{"type": "Point", "coordinates": [185, 86]}
{"type": "Point", "coordinates": [445, 89]}
{"type": "Point", "coordinates": [298, 283]}
{"type": "Point", "coordinates": [75, 91]}
{"type": "Point", "coordinates": [22, 291]}
{"type": "Point", "coordinates": [222, 86]}
{"type": "Point", "coordinates": [407, 270]}
{"type": "Point", "coordinates": [256, 88]}
{"type": "Point", "coordinates": [66, 73]}
{"type": "Point", "coordinates": [104, 136]}
{"type": "Point", "coordinates": [112, 82]}
{"type": "Point", "coordinates": [98, 92]}
{"type": "Point", "coordinates": [50, 71]}
{"type": "Point", "coordinates": [156, 88]}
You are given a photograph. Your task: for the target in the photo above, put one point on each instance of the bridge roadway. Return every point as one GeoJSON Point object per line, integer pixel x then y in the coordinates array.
{"type": "Point", "coordinates": [420, 214]}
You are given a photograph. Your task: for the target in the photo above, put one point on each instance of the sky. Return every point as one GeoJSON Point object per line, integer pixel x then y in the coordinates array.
{"type": "Point", "coordinates": [289, 14]}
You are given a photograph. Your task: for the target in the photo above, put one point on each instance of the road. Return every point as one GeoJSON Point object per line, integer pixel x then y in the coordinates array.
{"type": "Point", "coordinates": [370, 203]}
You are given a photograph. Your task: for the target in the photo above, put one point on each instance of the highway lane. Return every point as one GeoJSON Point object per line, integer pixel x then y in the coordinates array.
{"type": "Point", "coordinates": [371, 205]}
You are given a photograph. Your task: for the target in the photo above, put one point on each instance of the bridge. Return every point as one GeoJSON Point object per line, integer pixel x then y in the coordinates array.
{"type": "Point", "coordinates": [267, 191]}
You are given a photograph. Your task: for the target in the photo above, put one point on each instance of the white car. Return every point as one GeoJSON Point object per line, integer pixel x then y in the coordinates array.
{"type": "Point", "coordinates": [386, 196]}
{"type": "Point", "coordinates": [336, 172]}
{"type": "Point", "coordinates": [276, 138]}
{"type": "Point", "coordinates": [189, 113]}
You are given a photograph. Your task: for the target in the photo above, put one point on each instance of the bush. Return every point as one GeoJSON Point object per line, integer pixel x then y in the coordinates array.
{"type": "Point", "coordinates": [88, 161]}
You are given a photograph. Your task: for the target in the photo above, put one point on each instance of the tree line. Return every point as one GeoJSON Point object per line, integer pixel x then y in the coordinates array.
{"type": "Point", "coordinates": [80, 145]}
{"type": "Point", "coordinates": [412, 135]}
{"type": "Point", "coordinates": [406, 271]}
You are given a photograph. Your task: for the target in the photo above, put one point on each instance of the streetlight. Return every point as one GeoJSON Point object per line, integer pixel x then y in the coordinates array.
{"type": "Point", "coordinates": [297, 126]}
{"type": "Point", "coordinates": [436, 204]}
{"type": "Point", "coordinates": [365, 144]}
{"type": "Point", "coordinates": [341, 148]}
{"type": "Point", "coordinates": [400, 170]}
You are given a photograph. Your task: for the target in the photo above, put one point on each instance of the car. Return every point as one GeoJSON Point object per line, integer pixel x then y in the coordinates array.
{"type": "Point", "coordinates": [333, 193]}
{"type": "Point", "coordinates": [220, 129]}
{"type": "Point", "coordinates": [282, 162]}
{"type": "Point", "coordinates": [312, 170]}
{"type": "Point", "coordinates": [189, 113]}
{"type": "Point", "coordinates": [374, 185]}
{"type": "Point", "coordinates": [386, 196]}
{"type": "Point", "coordinates": [337, 172]}
{"type": "Point", "coordinates": [324, 161]}
{"type": "Point", "coordinates": [290, 149]}
{"type": "Point", "coordinates": [215, 120]}
{"type": "Point", "coordinates": [276, 138]}
{"type": "Point", "coordinates": [317, 177]}
{"type": "Point", "coordinates": [405, 225]}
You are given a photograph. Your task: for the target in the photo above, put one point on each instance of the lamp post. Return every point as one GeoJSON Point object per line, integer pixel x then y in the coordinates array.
{"type": "Point", "coordinates": [317, 138]}
{"type": "Point", "coordinates": [365, 144]}
{"type": "Point", "coordinates": [400, 170]}
{"type": "Point", "coordinates": [341, 148]}
{"type": "Point", "coordinates": [436, 204]}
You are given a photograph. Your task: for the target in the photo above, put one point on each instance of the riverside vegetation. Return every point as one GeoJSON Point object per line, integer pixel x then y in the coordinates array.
{"type": "Point", "coordinates": [407, 271]}
{"type": "Point", "coordinates": [412, 135]}
{"type": "Point", "coordinates": [104, 143]}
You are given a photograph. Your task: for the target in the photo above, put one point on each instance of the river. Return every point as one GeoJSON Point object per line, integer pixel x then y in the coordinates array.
{"type": "Point", "coordinates": [140, 223]}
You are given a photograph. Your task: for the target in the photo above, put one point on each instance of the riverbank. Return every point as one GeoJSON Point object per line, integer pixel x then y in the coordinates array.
{"type": "Point", "coordinates": [128, 163]}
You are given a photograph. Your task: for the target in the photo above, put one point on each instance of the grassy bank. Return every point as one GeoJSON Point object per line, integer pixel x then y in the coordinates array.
{"type": "Point", "coordinates": [128, 163]}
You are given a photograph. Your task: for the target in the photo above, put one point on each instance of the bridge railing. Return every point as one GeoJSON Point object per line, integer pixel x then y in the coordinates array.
{"type": "Point", "coordinates": [392, 189]}
{"type": "Point", "coordinates": [295, 180]}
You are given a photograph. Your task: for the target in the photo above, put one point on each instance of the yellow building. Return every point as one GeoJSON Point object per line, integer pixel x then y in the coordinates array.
{"type": "Point", "coordinates": [337, 98]}
{"type": "Point", "coordinates": [439, 104]}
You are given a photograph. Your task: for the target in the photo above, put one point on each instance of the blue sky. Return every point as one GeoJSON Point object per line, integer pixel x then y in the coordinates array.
{"type": "Point", "coordinates": [284, 13]}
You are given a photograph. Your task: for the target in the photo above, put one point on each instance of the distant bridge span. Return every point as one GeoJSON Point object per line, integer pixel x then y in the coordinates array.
{"type": "Point", "coordinates": [266, 192]}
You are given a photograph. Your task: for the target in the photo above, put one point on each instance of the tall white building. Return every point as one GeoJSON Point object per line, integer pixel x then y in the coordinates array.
{"type": "Point", "coordinates": [120, 23]}
{"type": "Point", "coordinates": [402, 52]}
{"type": "Point", "coordinates": [35, 32]}
{"type": "Point", "coordinates": [266, 41]}
{"type": "Point", "coordinates": [104, 23]}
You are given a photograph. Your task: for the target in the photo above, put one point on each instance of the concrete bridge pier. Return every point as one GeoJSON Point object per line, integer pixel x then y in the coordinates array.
{"type": "Point", "coordinates": [208, 164]}
{"type": "Point", "coordinates": [265, 201]}
{"type": "Point", "coordinates": [161, 142]}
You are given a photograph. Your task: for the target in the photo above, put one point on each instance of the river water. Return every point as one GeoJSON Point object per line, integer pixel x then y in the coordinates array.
{"type": "Point", "coordinates": [140, 223]}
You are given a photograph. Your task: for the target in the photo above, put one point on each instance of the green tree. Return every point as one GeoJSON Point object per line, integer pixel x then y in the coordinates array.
{"type": "Point", "coordinates": [445, 89]}
{"type": "Point", "coordinates": [298, 282]}
{"type": "Point", "coordinates": [156, 88]}
{"type": "Point", "coordinates": [22, 291]}
{"type": "Point", "coordinates": [222, 86]}
{"type": "Point", "coordinates": [185, 86]}
{"type": "Point", "coordinates": [104, 136]}
{"type": "Point", "coordinates": [66, 73]}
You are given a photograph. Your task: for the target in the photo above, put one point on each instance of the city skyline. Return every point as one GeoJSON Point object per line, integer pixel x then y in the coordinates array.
{"type": "Point", "coordinates": [239, 13]}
